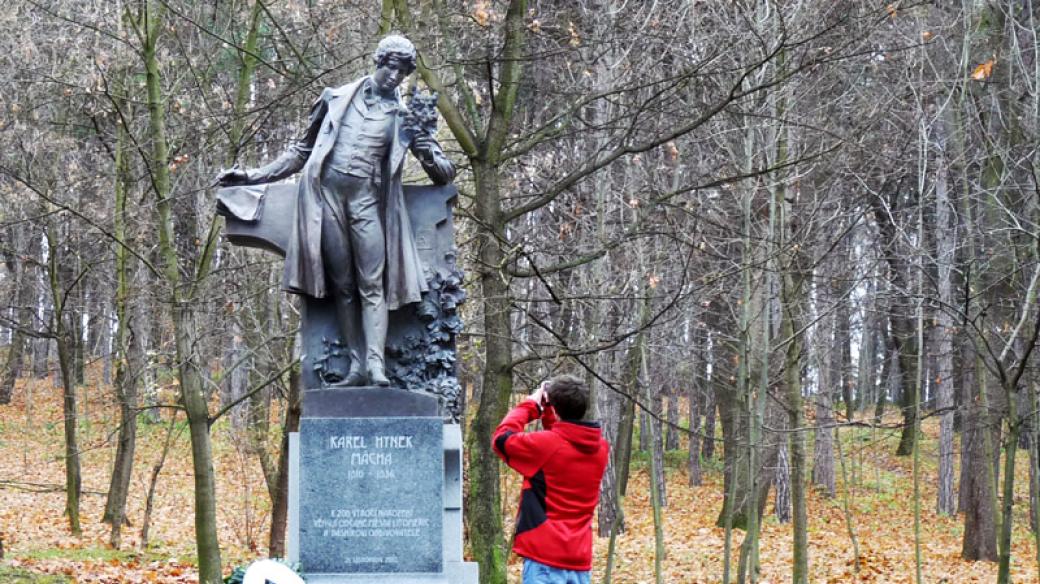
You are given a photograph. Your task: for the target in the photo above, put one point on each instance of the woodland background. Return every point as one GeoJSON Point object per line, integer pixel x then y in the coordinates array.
{"type": "Point", "coordinates": [791, 245]}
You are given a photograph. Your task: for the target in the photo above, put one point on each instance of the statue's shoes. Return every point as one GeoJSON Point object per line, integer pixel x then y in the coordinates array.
{"type": "Point", "coordinates": [354, 379]}
{"type": "Point", "coordinates": [377, 377]}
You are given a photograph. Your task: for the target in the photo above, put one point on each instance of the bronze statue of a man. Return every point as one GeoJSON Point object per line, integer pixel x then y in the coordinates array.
{"type": "Point", "coordinates": [351, 237]}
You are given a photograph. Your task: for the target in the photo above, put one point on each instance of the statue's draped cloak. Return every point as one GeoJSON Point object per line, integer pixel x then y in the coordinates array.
{"type": "Point", "coordinates": [305, 267]}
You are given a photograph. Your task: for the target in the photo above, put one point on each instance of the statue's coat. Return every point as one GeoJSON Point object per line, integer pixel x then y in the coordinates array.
{"type": "Point", "coordinates": [305, 268]}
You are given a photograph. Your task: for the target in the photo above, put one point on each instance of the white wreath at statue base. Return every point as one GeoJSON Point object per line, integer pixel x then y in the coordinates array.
{"type": "Point", "coordinates": [270, 571]}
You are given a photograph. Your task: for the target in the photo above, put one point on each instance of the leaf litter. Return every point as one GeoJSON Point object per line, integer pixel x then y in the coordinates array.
{"type": "Point", "coordinates": [36, 538]}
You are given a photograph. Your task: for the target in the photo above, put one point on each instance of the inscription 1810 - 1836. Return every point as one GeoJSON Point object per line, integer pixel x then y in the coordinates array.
{"type": "Point", "coordinates": [359, 503]}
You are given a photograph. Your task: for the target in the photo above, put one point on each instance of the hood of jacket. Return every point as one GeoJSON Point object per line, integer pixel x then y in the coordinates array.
{"type": "Point", "coordinates": [584, 436]}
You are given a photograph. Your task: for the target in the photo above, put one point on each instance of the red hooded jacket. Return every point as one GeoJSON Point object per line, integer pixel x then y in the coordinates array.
{"type": "Point", "coordinates": [562, 467]}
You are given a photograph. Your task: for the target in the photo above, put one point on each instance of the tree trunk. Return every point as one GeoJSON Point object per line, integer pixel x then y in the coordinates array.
{"type": "Point", "coordinates": [902, 335]}
{"type": "Point", "coordinates": [1034, 465]}
{"type": "Point", "coordinates": [889, 376]}
{"type": "Point", "coordinates": [143, 350]}
{"type": "Point", "coordinates": [280, 499]}
{"type": "Point", "coordinates": [75, 336]}
{"type": "Point", "coordinates": [791, 303]}
{"type": "Point", "coordinates": [483, 497]}
{"type": "Point", "coordinates": [610, 515]}
{"type": "Point", "coordinates": [236, 381]}
{"type": "Point", "coordinates": [42, 346]}
{"type": "Point", "coordinates": [968, 425]}
{"type": "Point", "coordinates": [710, 409]}
{"type": "Point", "coordinates": [609, 404]}
{"type": "Point", "coordinates": [734, 450]}
{"type": "Point", "coordinates": [257, 428]}
{"type": "Point", "coordinates": [671, 441]}
{"type": "Point", "coordinates": [73, 480]}
{"type": "Point", "coordinates": [106, 344]}
{"type": "Point", "coordinates": [694, 396]}
{"type": "Point", "coordinates": [484, 501]}
{"type": "Point", "coordinates": [626, 428]}
{"type": "Point", "coordinates": [978, 483]}
{"type": "Point", "coordinates": [1008, 499]}
{"type": "Point", "coordinates": [866, 376]}
{"type": "Point", "coordinates": [182, 305]}
{"type": "Point", "coordinates": [194, 399]}
{"type": "Point", "coordinates": [796, 421]}
{"type": "Point", "coordinates": [906, 349]}
{"type": "Point", "coordinates": [125, 375]}
{"type": "Point", "coordinates": [657, 487]}
{"type": "Point", "coordinates": [946, 244]}
{"type": "Point", "coordinates": [123, 464]}
{"type": "Point", "coordinates": [653, 432]}
{"type": "Point", "coordinates": [843, 351]}
{"type": "Point", "coordinates": [23, 280]}
{"type": "Point", "coordinates": [13, 364]}
{"type": "Point", "coordinates": [782, 501]}
{"type": "Point", "coordinates": [149, 499]}
{"type": "Point", "coordinates": [823, 446]}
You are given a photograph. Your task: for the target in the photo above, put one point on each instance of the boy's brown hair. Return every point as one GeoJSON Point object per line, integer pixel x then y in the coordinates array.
{"type": "Point", "coordinates": [568, 395]}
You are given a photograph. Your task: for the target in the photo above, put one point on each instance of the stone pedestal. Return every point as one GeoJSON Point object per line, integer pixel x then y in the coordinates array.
{"type": "Point", "coordinates": [375, 490]}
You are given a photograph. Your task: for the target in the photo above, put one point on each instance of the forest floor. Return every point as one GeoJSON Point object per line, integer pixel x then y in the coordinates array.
{"type": "Point", "coordinates": [35, 536]}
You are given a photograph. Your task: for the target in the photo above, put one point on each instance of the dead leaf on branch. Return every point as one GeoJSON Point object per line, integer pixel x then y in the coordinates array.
{"type": "Point", "coordinates": [481, 14]}
{"type": "Point", "coordinates": [672, 151]}
{"type": "Point", "coordinates": [575, 37]}
{"type": "Point", "coordinates": [983, 71]}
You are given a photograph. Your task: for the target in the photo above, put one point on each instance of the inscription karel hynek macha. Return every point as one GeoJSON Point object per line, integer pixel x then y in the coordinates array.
{"type": "Point", "coordinates": [379, 454]}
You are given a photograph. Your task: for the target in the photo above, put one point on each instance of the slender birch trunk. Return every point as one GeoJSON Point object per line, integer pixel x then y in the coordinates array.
{"type": "Point", "coordinates": [125, 377]}
{"type": "Point", "coordinates": [181, 299]}
{"type": "Point", "coordinates": [946, 244]}
{"type": "Point", "coordinates": [73, 480]}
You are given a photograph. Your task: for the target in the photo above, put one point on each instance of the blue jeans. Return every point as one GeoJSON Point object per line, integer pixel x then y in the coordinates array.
{"type": "Point", "coordinates": [536, 573]}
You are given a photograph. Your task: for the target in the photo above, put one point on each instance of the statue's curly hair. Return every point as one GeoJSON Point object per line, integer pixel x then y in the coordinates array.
{"type": "Point", "coordinates": [397, 46]}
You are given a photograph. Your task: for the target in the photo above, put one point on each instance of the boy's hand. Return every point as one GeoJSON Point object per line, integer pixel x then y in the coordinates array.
{"type": "Point", "coordinates": [539, 397]}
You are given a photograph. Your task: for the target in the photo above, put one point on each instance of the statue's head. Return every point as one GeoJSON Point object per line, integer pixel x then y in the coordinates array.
{"type": "Point", "coordinates": [398, 47]}
{"type": "Point", "coordinates": [395, 60]}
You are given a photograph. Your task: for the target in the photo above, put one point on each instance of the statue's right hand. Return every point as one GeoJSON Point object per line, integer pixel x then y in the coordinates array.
{"type": "Point", "coordinates": [232, 176]}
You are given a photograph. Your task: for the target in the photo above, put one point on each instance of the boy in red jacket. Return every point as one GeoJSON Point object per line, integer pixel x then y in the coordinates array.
{"type": "Point", "coordinates": [562, 467]}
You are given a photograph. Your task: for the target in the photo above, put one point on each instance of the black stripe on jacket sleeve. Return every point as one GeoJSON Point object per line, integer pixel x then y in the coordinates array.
{"type": "Point", "coordinates": [500, 444]}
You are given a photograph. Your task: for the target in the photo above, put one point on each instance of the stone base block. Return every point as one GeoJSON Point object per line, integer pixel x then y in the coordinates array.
{"type": "Point", "coordinates": [454, 573]}
{"type": "Point", "coordinates": [454, 570]}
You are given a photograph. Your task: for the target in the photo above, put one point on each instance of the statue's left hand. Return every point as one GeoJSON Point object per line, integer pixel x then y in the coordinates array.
{"type": "Point", "coordinates": [424, 145]}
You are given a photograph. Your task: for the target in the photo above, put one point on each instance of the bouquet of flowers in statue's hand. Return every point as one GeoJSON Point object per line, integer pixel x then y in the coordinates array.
{"type": "Point", "coordinates": [421, 118]}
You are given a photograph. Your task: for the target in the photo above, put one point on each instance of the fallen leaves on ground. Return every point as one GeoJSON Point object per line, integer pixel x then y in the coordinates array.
{"type": "Point", "coordinates": [881, 508]}
{"type": "Point", "coordinates": [35, 533]}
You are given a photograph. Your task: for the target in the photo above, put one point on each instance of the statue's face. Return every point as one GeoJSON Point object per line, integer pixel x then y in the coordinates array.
{"type": "Point", "coordinates": [390, 74]}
